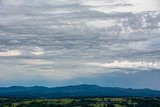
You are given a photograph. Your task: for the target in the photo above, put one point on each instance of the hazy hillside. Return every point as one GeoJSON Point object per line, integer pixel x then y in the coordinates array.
{"type": "Point", "coordinates": [74, 91]}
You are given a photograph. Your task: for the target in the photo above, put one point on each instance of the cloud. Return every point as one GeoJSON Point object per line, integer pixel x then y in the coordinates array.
{"type": "Point", "coordinates": [122, 5]}
{"type": "Point", "coordinates": [10, 53]}
{"type": "Point", "coordinates": [56, 38]}
{"type": "Point", "coordinates": [101, 23]}
{"type": "Point", "coordinates": [37, 51]}
{"type": "Point", "coordinates": [11, 2]}
{"type": "Point", "coordinates": [57, 75]}
{"type": "Point", "coordinates": [148, 45]}
{"type": "Point", "coordinates": [38, 62]}
{"type": "Point", "coordinates": [139, 65]}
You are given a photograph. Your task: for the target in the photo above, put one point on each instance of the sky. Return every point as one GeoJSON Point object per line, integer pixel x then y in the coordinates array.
{"type": "Point", "coordinates": [111, 43]}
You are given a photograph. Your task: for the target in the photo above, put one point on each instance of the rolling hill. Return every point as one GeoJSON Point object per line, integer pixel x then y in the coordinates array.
{"type": "Point", "coordinates": [74, 91]}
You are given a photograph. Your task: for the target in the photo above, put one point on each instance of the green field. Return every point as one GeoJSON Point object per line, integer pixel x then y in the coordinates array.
{"type": "Point", "coordinates": [81, 102]}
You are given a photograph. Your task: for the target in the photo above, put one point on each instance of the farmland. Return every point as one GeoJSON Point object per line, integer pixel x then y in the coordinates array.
{"type": "Point", "coordinates": [82, 102]}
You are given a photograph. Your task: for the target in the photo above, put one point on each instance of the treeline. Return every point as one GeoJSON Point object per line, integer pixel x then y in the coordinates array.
{"type": "Point", "coordinates": [81, 102]}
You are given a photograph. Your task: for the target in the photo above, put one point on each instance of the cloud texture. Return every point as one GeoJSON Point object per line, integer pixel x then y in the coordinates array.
{"type": "Point", "coordinates": [62, 40]}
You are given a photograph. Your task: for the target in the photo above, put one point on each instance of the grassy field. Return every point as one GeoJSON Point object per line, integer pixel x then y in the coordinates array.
{"type": "Point", "coordinates": [81, 102]}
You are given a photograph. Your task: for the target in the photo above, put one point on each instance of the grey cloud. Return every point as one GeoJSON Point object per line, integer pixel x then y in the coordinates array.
{"type": "Point", "coordinates": [65, 31]}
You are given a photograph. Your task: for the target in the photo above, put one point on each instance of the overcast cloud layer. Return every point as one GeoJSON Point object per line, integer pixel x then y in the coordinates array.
{"type": "Point", "coordinates": [56, 42]}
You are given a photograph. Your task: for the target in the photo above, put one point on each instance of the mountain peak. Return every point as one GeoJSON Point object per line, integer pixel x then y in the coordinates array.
{"type": "Point", "coordinates": [84, 85]}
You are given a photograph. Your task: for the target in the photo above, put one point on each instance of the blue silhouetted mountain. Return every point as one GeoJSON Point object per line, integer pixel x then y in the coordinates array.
{"type": "Point", "coordinates": [74, 91]}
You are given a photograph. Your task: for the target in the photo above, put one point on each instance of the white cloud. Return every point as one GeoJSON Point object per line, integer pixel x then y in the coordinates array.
{"type": "Point", "coordinates": [140, 65]}
{"type": "Point", "coordinates": [59, 11]}
{"type": "Point", "coordinates": [38, 62]}
{"type": "Point", "coordinates": [145, 5]}
{"type": "Point", "coordinates": [10, 53]}
{"type": "Point", "coordinates": [101, 23]}
{"type": "Point", "coordinates": [148, 45]}
{"type": "Point", "coordinates": [36, 2]}
{"type": "Point", "coordinates": [135, 5]}
{"type": "Point", "coordinates": [57, 75]}
{"type": "Point", "coordinates": [94, 2]}
{"type": "Point", "coordinates": [12, 2]}
{"type": "Point", "coordinates": [37, 51]}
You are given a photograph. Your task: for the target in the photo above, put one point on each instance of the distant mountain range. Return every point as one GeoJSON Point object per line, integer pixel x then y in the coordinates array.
{"type": "Point", "coordinates": [74, 91]}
